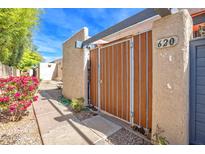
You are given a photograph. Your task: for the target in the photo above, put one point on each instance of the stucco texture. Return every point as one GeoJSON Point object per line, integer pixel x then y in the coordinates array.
{"type": "Point", "coordinates": [47, 71]}
{"type": "Point", "coordinates": [59, 68]}
{"type": "Point", "coordinates": [74, 70]}
{"type": "Point", "coordinates": [171, 78]}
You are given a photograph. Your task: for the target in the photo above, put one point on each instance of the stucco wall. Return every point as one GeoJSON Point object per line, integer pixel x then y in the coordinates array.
{"type": "Point", "coordinates": [171, 78]}
{"type": "Point", "coordinates": [59, 69]}
{"type": "Point", "coordinates": [47, 71]}
{"type": "Point", "coordinates": [75, 67]}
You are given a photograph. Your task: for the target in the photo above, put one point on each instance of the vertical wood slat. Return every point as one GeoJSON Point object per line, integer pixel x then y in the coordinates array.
{"type": "Point", "coordinates": [101, 79]}
{"type": "Point", "coordinates": [143, 80]}
{"type": "Point", "coordinates": [94, 77]}
{"type": "Point", "coordinates": [106, 80]}
{"type": "Point", "coordinates": [124, 80]}
{"type": "Point", "coordinates": [119, 72]}
{"type": "Point", "coordinates": [111, 81]}
{"type": "Point", "coordinates": [136, 79]}
{"type": "Point", "coordinates": [150, 79]}
{"type": "Point", "coordinates": [115, 80]}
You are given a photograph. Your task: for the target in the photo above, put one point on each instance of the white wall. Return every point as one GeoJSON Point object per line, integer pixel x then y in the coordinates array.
{"type": "Point", "coordinates": [47, 71]}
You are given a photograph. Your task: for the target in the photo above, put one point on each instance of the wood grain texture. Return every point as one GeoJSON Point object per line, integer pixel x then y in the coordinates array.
{"type": "Point", "coordinates": [143, 80]}
{"type": "Point", "coordinates": [94, 76]}
{"type": "Point", "coordinates": [136, 79]}
{"type": "Point", "coordinates": [150, 79]}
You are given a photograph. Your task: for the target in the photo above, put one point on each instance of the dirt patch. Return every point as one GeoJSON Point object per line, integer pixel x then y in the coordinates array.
{"type": "Point", "coordinates": [23, 132]}
{"type": "Point", "coordinates": [125, 137]}
{"type": "Point", "coordinates": [85, 114]}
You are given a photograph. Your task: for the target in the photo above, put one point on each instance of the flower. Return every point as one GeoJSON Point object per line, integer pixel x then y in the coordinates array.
{"type": "Point", "coordinates": [17, 95]}
{"type": "Point", "coordinates": [2, 85]}
{"type": "Point", "coordinates": [4, 99]}
{"type": "Point", "coordinates": [35, 98]}
{"type": "Point", "coordinates": [31, 88]}
{"type": "Point", "coordinates": [12, 107]}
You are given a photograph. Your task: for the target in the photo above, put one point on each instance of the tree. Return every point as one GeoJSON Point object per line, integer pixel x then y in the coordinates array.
{"type": "Point", "coordinates": [30, 59]}
{"type": "Point", "coordinates": [16, 26]}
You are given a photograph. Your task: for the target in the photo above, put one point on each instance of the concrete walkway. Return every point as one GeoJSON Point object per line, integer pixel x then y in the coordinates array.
{"type": "Point", "coordinates": [59, 126]}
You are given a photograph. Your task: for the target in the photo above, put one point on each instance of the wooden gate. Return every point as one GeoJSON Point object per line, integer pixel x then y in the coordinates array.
{"type": "Point", "coordinates": [115, 79]}
{"type": "Point", "coordinates": [113, 87]}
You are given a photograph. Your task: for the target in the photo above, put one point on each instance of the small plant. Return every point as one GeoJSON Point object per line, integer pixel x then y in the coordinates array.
{"type": "Point", "coordinates": [77, 104]}
{"type": "Point", "coordinates": [159, 139]}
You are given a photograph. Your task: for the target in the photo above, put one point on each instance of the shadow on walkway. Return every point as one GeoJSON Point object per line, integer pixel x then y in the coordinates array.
{"type": "Point", "coordinates": [66, 118]}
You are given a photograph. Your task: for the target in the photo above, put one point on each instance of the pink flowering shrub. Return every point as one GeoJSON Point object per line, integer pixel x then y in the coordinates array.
{"type": "Point", "coordinates": [17, 94]}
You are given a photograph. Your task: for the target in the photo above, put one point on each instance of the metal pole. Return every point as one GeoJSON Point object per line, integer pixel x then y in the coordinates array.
{"type": "Point", "coordinates": [132, 81]}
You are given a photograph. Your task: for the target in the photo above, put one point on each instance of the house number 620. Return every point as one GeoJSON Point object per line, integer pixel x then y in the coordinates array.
{"type": "Point", "coordinates": [167, 42]}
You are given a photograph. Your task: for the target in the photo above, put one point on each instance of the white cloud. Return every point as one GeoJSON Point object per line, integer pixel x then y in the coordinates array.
{"type": "Point", "coordinates": [50, 58]}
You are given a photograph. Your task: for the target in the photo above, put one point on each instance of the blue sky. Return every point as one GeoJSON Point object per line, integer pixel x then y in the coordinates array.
{"type": "Point", "coordinates": [57, 25]}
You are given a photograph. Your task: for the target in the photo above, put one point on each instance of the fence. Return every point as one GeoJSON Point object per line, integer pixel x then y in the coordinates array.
{"type": "Point", "coordinates": [7, 71]}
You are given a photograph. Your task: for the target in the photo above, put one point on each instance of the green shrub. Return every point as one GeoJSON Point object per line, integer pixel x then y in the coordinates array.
{"type": "Point", "coordinates": [64, 101]}
{"type": "Point", "coordinates": [77, 104]}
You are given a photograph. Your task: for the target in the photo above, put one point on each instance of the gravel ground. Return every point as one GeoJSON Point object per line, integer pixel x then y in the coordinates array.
{"type": "Point", "coordinates": [125, 137]}
{"type": "Point", "coordinates": [23, 132]}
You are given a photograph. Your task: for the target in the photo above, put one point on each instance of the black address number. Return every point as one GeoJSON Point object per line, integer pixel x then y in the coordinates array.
{"type": "Point", "coordinates": [167, 42]}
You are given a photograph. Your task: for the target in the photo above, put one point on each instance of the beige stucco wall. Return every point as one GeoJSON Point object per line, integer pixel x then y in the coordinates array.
{"type": "Point", "coordinates": [74, 67]}
{"type": "Point", "coordinates": [171, 78]}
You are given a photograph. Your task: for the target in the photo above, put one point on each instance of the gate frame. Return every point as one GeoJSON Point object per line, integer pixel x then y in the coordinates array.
{"type": "Point", "coordinates": [130, 39]}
